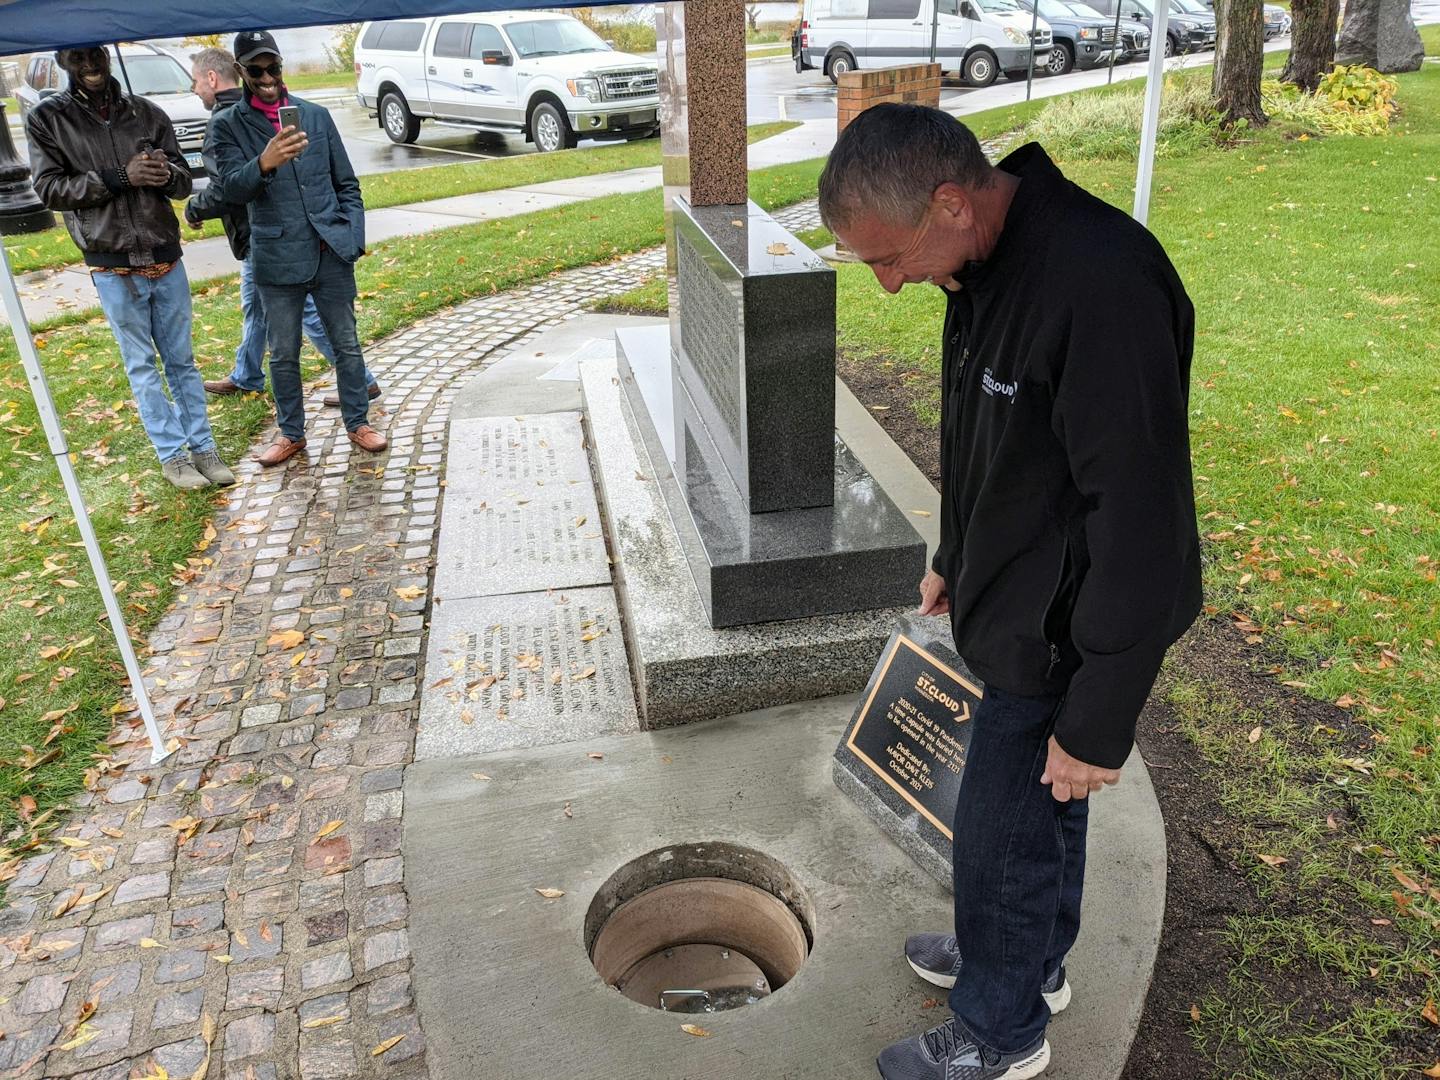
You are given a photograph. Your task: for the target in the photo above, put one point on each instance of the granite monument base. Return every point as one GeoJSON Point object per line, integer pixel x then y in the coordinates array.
{"type": "Point", "coordinates": [684, 669]}
{"type": "Point", "coordinates": [858, 554]}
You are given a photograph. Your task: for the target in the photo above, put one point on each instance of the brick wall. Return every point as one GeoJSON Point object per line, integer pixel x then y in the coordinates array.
{"type": "Point", "coordinates": [918, 84]}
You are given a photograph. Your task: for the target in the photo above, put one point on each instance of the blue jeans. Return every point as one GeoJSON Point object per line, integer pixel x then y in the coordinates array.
{"type": "Point", "coordinates": [333, 291]}
{"type": "Point", "coordinates": [249, 371]}
{"type": "Point", "coordinates": [1019, 873]}
{"type": "Point", "coordinates": [154, 316]}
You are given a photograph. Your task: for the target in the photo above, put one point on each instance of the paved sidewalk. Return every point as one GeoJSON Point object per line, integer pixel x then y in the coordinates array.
{"type": "Point", "coordinates": [256, 878]}
{"type": "Point", "coordinates": [48, 293]}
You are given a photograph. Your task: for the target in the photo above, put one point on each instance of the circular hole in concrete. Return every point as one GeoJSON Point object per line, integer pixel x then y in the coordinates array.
{"type": "Point", "coordinates": [697, 928]}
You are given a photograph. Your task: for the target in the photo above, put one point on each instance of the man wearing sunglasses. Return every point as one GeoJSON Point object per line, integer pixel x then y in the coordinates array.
{"type": "Point", "coordinates": [307, 229]}
{"type": "Point", "coordinates": [109, 161]}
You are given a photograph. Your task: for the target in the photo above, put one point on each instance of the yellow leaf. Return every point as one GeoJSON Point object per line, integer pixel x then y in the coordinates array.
{"type": "Point", "coordinates": [1195, 1013]}
{"type": "Point", "coordinates": [589, 671]}
{"type": "Point", "coordinates": [1254, 735]}
{"type": "Point", "coordinates": [580, 521]}
{"type": "Point", "coordinates": [86, 1034]}
{"type": "Point", "coordinates": [150, 943]}
{"type": "Point", "coordinates": [73, 842]}
{"type": "Point", "coordinates": [386, 1045]}
{"type": "Point", "coordinates": [328, 828]}
{"type": "Point", "coordinates": [551, 894]}
{"type": "Point", "coordinates": [223, 959]}
{"type": "Point", "coordinates": [479, 776]}
{"type": "Point", "coordinates": [114, 834]}
{"type": "Point", "coordinates": [921, 513]}
{"type": "Point", "coordinates": [778, 248]}
{"type": "Point", "coordinates": [286, 639]}
{"type": "Point", "coordinates": [410, 592]}
{"type": "Point", "coordinates": [324, 1021]}
{"type": "Point", "coordinates": [695, 1029]}
{"type": "Point", "coordinates": [87, 900]}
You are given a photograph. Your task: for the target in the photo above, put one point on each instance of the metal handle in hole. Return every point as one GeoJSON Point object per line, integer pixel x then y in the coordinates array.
{"type": "Point", "coordinates": [683, 994]}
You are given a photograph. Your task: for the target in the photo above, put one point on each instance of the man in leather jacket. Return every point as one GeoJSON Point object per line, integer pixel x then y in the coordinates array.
{"type": "Point", "coordinates": [215, 84]}
{"type": "Point", "coordinates": [110, 163]}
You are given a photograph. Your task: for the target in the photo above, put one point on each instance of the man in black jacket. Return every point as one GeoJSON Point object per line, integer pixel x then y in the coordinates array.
{"type": "Point", "coordinates": [213, 71]}
{"type": "Point", "coordinates": [1068, 557]}
{"type": "Point", "coordinates": [110, 162]}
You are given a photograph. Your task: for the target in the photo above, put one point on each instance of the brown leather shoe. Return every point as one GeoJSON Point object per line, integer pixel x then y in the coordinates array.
{"type": "Point", "coordinates": [223, 387]}
{"type": "Point", "coordinates": [280, 451]}
{"type": "Point", "coordinates": [334, 399]}
{"type": "Point", "coordinates": [367, 438]}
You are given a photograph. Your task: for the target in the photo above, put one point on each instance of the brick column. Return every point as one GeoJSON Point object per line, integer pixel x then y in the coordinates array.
{"type": "Point", "coordinates": [918, 84]}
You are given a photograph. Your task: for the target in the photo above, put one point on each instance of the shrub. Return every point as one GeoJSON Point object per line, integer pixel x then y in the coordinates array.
{"type": "Point", "coordinates": [1359, 89]}
{"type": "Point", "coordinates": [1349, 101]}
{"type": "Point", "coordinates": [341, 54]}
{"type": "Point", "coordinates": [1106, 127]}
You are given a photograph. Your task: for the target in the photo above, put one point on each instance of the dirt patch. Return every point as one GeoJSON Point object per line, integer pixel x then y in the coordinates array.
{"type": "Point", "coordinates": [1206, 884]}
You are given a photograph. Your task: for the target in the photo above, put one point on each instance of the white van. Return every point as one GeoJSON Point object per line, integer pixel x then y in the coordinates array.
{"type": "Point", "coordinates": [545, 76]}
{"type": "Point", "coordinates": [976, 38]}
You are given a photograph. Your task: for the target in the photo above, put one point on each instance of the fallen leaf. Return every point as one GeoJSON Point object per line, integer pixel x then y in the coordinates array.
{"type": "Point", "coordinates": [776, 248]}
{"type": "Point", "coordinates": [410, 592]}
{"type": "Point", "coordinates": [223, 959]}
{"type": "Point", "coordinates": [1428, 1013]}
{"type": "Point", "coordinates": [921, 513]}
{"type": "Point", "coordinates": [1405, 879]}
{"type": "Point", "coordinates": [324, 1021]}
{"type": "Point", "coordinates": [589, 671]}
{"type": "Point", "coordinates": [695, 1029]}
{"type": "Point", "coordinates": [286, 639]}
{"type": "Point", "coordinates": [551, 894]}
{"type": "Point", "coordinates": [595, 755]}
{"type": "Point", "coordinates": [1255, 734]}
{"type": "Point", "coordinates": [1434, 1070]}
{"type": "Point", "coordinates": [28, 807]}
{"type": "Point", "coordinates": [386, 1045]}
{"type": "Point", "coordinates": [326, 829]}
{"type": "Point", "coordinates": [1195, 1013]}
{"type": "Point", "coordinates": [74, 842]}
{"type": "Point", "coordinates": [568, 812]}
{"type": "Point", "coordinates": [207, 1032]}
{"type": "Point", "coordinates": [150, 943]}
{"type": "Point", "coordinates": [114, 834]}
{"type": "Point", "coordinates": [87, 1010]}
{"type": "Point", "coordinates": [479, 776]}
{"type": "Point", "coordinates": [1273, 860]}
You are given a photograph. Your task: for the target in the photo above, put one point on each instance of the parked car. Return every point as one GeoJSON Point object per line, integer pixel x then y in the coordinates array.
{"type": "Point", "coordinates": [1277, 21]}
{"type": "Point", "coordinates": [977, 38]}
{"type": "Point", "coordinates": [544, 76]}
{"type": "Point", "coordinates": [1193, 11]}
{"type": "Point", "coordinates": [1084, 38]}
{"type": "Point", "coordinates": [1184, 32]}
{"type": "Point", "coordinates": [152, 73]}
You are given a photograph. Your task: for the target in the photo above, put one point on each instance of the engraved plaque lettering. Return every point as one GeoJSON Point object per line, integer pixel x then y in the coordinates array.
{"type": "Point", "coordinates": [710, 333]}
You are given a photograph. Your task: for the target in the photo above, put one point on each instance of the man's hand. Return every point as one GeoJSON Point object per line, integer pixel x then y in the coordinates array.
{"type": "Point", "coordinates": [193, 222]}
{"type": "Point", "coordinates": [1070, 778]}
{"type": "Point", "coordinates": [288, 144]}
{"type": "Point", "coordinates": [934, 600]}
{"type": "Point", "coordinates": [142, 170]}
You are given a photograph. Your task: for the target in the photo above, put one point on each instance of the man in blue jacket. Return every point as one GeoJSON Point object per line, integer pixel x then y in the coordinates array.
{"type": "Point", "coordinates": [307, 228]}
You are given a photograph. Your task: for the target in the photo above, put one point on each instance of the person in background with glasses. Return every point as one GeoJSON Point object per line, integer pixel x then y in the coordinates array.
{"type": "Point", "coordinates": [109, 161]}
{"type": "Point", "coordinates": [217, 85]}
{"type": "Point", "coordinates": [307, 229]}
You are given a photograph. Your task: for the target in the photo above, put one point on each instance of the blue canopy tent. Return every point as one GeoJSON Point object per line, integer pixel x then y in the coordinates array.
{"type": "Point", "coordinates": [44, 25]}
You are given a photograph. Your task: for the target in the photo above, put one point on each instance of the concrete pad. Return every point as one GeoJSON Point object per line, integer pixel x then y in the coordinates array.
{"type": "Point", "coordinates": [590, 187]}
{"type": "Point", "coordinates": [484, 205]}
{"type": "Point", "coordinates": [402, 221]}
{"type": "Point", "coordinates": [526, 381]}
{"type": "Point", "coordinates": [505, 988]}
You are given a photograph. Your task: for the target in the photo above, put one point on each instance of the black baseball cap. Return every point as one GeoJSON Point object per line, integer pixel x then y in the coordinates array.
{"type": "Point", "coordinates": [252, 43]}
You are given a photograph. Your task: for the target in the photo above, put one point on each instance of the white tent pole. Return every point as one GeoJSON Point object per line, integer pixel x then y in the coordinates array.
{"type": "Point", "coordinates": [1150, 120]}
{"type": "Point", "coordinates": [55, 435]}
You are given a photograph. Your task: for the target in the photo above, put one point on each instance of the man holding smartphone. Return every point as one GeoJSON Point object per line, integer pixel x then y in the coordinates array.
{"type": "Point", "coordinates": [283, 159]}
{"type": "Point", "coordinates": [109, 161]}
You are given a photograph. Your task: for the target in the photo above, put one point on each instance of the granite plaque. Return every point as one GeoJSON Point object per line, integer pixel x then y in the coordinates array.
{"type": "Point", "coordinates": [526, 669]}
{"type": "Point", "coordinates": [903, 755]}
{"type": "Point", "coordinates": [520, 509]}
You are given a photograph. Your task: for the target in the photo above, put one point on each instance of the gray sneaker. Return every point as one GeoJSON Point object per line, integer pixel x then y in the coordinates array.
{"type": "Point", "coordinates": [208, 464]}
{"type": "Point", "coordinates": [182, 474]}
{"type": "Point", "coordinates": [936, 959]}
{"type": "Point", "coordinates": [948, 1053]}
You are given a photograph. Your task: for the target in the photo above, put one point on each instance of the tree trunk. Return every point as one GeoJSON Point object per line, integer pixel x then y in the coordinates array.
{"type": "Point", "coordinates": [1239, 59]}
{"type": "Point", "coordinates": [1312, 42]}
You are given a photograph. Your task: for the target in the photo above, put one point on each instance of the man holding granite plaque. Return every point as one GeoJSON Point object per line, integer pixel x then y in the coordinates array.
{"type": "Point", "coordinates": [1068, 560]}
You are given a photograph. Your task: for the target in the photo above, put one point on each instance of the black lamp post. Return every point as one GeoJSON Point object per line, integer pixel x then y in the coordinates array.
{"type": "Point", "coordinates": [21, 210]}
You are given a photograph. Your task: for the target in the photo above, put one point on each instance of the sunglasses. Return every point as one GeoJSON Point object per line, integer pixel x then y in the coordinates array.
{"type": "Point", "coordinates": [257, 71]}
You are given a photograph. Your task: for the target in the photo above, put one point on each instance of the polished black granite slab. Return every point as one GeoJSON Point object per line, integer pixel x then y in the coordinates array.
{"type": "Point", "coordinates": [754, 342]}
{"type": "Point", "coordinates": [857, 553]}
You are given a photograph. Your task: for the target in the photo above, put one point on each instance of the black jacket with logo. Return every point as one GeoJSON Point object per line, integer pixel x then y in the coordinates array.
{"type": "Point", "coordinates": [1068, 538]}
{"type": "Point", "coordinates": [76, 157]}
{"type": "Point", "coordinates": [203, 205]}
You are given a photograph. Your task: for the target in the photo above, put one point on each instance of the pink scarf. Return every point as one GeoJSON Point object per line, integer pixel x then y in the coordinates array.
{"type": "Point", "coordinates": [272, 112]}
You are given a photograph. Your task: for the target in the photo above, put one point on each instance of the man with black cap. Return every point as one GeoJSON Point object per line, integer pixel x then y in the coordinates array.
{"type": "Point", "coordinates": [307, 228]}
{"type": "Point", "coordinates": [110, 162]}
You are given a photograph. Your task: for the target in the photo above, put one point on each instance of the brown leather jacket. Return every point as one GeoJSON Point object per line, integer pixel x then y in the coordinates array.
{"type": "Point", "coordinates": [76, 158]}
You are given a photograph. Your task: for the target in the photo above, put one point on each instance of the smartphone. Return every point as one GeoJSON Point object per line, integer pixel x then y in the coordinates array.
{"type": "Point", "coordinates": [290, 117]}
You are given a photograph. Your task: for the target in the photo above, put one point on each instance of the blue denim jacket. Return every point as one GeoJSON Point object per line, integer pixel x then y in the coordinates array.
{"type": "Point", "coordinates": [313, 199]}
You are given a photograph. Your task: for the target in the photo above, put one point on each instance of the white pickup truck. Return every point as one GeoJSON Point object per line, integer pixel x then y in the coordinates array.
{"type": "Point", "coordinates": [544, 76]}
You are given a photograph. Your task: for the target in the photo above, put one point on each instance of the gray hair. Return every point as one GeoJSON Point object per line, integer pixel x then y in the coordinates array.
{"type": "Point", "coordinates": [217, 60]}
{"type": "Point", "coordinates": [890, 160]}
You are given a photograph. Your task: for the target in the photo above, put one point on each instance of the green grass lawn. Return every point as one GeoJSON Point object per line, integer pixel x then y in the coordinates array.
{"type": "Point", "coordinates": [60, 675]}
{"type": "Point", "coordinates": [1316, 433]}
{"type": "Point", "coordinates": [302, 81]}
{"type": "Point", "coordinates": [47, 250]}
